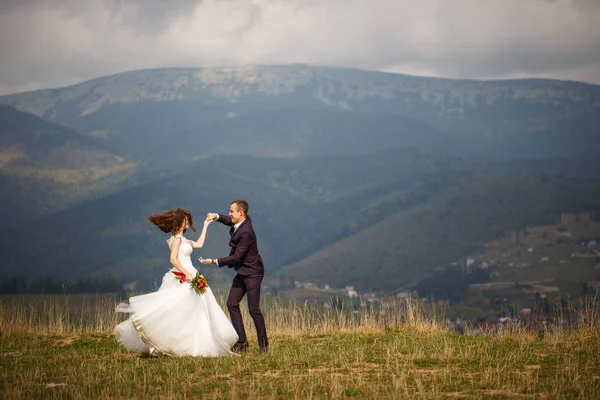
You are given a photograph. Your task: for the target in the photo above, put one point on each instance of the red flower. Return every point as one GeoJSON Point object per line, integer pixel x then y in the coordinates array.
{"type": "Point", "coordinates": [179, 275]}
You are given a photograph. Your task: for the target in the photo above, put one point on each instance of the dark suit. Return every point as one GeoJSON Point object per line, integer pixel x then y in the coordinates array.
{"type": "Point", "coordinates": [247, 262]}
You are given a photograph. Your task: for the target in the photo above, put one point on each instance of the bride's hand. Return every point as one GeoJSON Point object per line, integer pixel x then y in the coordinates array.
{"type": "Point", "coordinates": [212, 216]}
{"type": "Point", "coordinates": [208, 221]}
{"type": "Point", "coordinates": [188, 278]}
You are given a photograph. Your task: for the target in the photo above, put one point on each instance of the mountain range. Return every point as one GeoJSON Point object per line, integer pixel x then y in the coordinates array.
{"type": "Point", "coordinates": [353, 177]}
{"type": "Point", "coordinates": [302, 110]}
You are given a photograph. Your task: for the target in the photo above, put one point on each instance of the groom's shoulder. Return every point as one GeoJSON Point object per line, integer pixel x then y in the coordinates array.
{"type": "Point", "coordinates": [248, 224]}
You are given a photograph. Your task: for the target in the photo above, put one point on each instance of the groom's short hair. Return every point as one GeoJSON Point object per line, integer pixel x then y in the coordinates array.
{"type": "Point", "coordinates": [241, 204]}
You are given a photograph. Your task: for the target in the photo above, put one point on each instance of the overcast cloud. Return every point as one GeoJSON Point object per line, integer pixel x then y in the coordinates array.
{"type": "Point", "coordinates": [52, 43]}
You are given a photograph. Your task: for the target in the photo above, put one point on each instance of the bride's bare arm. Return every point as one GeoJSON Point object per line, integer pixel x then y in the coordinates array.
{"type": "Point", "coordinates": [175, 262]}
{"type": "Point", "coordinates": [200, 242]}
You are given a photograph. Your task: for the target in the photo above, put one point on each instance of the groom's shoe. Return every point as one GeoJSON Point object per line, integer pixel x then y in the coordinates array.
{"type": "Point", "coordinates": [239, 347]}
{"type": "Point", "coordinates": [264, 349]}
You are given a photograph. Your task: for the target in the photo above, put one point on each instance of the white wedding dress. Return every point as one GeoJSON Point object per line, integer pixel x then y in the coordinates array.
{"type": "Point", "coordinates": [175, 321]}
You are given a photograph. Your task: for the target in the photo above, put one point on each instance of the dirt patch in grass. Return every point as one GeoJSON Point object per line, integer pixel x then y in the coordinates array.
{"type": "Point", "coordinates": [65, 342]}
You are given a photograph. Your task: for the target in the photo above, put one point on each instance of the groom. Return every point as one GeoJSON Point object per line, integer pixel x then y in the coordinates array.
{"type": "Point", "coordinates": [245, 259]}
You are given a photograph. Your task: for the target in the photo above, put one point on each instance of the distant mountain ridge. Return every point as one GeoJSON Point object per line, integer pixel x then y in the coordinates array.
{"type": "Point", "coordinates": [202, 107]}
{"type": "Point", "coordinates": [334, 87]}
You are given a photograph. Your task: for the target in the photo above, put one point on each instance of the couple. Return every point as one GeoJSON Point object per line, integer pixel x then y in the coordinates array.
{"type": "Point", "coordinates": [174, 320]}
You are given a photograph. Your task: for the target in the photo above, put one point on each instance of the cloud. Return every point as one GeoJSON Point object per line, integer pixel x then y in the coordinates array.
{"type": "Point", "coordinates": [50, 43]}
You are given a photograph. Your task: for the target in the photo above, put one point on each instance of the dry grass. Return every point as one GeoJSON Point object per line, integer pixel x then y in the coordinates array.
{"type": "Point", "coordinates": [77, 314]}
{"type": "Point", "coordinates": [63, 348]}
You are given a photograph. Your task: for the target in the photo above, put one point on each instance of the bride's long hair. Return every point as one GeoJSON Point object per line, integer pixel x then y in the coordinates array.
{"type": "Point", "coordinates": [170, 221]}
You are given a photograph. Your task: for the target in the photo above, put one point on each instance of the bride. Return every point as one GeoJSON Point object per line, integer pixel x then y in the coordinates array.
{"type": "Point", "coordinates": [174, 320]}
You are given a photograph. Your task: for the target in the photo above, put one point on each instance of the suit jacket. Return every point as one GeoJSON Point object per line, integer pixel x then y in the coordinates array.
{"type": "Point", "coordinates": [243, 256]}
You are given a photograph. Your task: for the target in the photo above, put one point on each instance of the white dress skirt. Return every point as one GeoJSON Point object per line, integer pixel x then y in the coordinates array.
{"type": "Point", "coordinates": [174, 320]}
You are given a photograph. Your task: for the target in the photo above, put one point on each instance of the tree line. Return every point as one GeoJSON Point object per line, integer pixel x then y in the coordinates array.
{"type": "Point", "coordinates": [452, 284]}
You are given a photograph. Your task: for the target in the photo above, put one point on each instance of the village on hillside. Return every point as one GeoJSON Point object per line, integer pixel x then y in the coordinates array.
{"type": "Point", "coordinates": [525, 270]}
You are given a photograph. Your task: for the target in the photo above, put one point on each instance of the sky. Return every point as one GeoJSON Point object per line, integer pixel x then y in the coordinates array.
{"type": "Point", "coordinates": [54, 43]}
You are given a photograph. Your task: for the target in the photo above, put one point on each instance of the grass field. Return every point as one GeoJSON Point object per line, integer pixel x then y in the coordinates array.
{"type": "Point", "coordinates": [62, 347]}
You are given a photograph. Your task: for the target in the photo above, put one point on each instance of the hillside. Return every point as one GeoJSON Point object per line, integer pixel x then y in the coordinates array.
{"type": "Point", "coordinates": [582, 166]}
{"type": "Point", "coordinates": [560, 257]}
{"type": "Point", "coordinates": [300, 110]}
{"type": "Point", "coordinates": [373, 221]}
{"type": "Point", "coordinates": [295, 209]}
{"type": "Point", "coordinates": [45, 167]}
{"type": "Point", "coordinates": [409, 245]}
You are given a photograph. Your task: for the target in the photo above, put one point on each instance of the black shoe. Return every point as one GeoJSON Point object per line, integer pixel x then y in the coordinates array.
{"type": "Point", "coordinates": [264, 349]}
{"type": "Point", "coordinates": [239, 347]}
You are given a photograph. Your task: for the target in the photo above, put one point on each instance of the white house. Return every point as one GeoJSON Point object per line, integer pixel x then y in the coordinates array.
{"type": "Point", "coordinates": [350, 292]}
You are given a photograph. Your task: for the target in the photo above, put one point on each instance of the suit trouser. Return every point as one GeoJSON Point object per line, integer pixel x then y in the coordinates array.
{"type": "Point", "coordinates": [241, 286]}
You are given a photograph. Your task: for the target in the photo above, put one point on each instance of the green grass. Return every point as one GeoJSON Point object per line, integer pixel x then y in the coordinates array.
{"type": "Point", "coordinates": [400, 362]}
{"type": "Point", "coordinates": [313, 354]}
{"type": "Point", "coordinates": [575, 271]}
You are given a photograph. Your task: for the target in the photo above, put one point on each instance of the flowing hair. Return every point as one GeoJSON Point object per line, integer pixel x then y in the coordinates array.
{"type": "Point", "coordinates": [171, 220]}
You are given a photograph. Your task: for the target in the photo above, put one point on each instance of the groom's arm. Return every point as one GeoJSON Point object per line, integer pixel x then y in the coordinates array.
{"type": "Point", "coordinates": [243, 247]}
{"type": "Point", "coordinates": [225, 219]}
{"type": "Point", "coordinates": [222, 218]}
{"type": "Point", "coordinates": [241, 250]}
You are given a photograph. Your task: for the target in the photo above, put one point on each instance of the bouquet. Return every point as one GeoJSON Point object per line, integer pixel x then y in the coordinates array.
{"type": "Point", "coordinates": [198, 284]}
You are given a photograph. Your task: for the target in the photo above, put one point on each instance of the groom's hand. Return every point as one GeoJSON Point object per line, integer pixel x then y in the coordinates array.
{"type": "Point", "coordinates": [206, 260]}
{"type": "Point", "coordinates": [212, 216]}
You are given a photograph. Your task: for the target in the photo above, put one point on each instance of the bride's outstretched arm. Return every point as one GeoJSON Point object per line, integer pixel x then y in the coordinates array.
{"type": "Point", "coordinates": [200, 242]}
{"type": "Point", "coordinates": [175, 262]}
